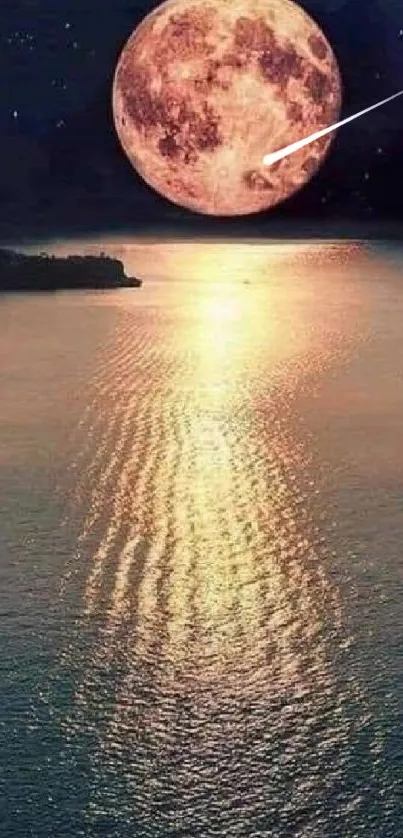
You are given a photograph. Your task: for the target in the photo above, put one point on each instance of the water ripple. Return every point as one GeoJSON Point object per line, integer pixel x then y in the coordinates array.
{"type": "Point", "coordinates": [211, 685]}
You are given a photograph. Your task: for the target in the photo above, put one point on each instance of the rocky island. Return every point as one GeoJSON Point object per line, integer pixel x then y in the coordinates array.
{"type": "Point", "coordinates": [26, 272]}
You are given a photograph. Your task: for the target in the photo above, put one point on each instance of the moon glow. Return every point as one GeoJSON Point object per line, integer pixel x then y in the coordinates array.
{"type": "Point", "coordinates": [204, 89]}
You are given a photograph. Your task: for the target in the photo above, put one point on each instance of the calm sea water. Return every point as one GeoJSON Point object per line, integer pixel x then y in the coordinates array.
{"type": "Point", "coordinates": [201, 575]}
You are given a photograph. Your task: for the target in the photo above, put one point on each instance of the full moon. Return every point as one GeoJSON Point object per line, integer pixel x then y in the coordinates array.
{"type": "Point", "coordinates": [204, 89]}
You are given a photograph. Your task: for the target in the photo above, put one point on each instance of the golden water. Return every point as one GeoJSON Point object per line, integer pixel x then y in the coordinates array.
{"type": "Point", "coordinates": [195, 436]}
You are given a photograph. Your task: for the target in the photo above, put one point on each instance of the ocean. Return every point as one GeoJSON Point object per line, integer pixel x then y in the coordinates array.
{"type": "Point", "coordinates": [201, 574]}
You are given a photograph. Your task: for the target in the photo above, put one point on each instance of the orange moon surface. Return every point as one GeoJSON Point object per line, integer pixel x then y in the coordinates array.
{"type": "Point", "coordinates": [203, 89]}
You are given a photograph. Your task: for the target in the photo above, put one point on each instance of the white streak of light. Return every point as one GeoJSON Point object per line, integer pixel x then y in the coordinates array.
{"type": "Point", "coordinates": [269, 159]}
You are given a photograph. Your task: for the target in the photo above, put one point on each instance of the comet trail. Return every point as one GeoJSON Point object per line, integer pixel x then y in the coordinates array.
{"type": "Point", "coordinates": [269, 159]}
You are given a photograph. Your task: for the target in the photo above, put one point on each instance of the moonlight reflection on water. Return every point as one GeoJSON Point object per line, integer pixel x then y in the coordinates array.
{"type": "Point", "coordinates": [215, 627]}
{"type": "Point", "coordinates": [193, 646]}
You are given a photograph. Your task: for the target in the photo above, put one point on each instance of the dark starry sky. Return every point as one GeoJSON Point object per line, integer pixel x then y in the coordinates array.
{"type": "Point", "coordinates": [63, 173]}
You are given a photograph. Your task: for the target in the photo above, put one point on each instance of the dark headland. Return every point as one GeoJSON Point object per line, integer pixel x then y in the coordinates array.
{"type": "Point", "coordinates": [23, 272]}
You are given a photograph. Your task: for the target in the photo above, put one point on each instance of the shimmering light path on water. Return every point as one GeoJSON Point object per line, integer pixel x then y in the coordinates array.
{"type": "Point", "coordinates": [196, 598]}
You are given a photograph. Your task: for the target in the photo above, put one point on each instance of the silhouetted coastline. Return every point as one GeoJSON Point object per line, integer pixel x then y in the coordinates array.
{"type": "Point", "coordinates": [23, 272]}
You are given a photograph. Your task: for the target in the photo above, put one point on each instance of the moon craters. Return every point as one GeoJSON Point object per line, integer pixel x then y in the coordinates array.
{"type": "Point", "coordinates": [181, 129]}
{"type": "Point", "coordinates": [318, 47]}
{"type": "Point", "coordinates": [256, 181]}
{"type": "Point", "coordinates": [203, 90]}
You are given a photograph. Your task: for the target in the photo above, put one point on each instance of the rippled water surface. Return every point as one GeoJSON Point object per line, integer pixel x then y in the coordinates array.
{"type": "Point", "coordinates": [201, 578]}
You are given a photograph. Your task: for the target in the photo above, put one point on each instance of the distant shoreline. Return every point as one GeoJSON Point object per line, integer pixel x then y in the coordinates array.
{"type": "Point", "coordinates": [22, 272]}
{"type": "Point", "coordinates": [122, 242]}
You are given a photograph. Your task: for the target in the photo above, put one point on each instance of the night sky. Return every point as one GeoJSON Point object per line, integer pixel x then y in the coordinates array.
{"type": "Point", "coordinates": [63, 172]}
